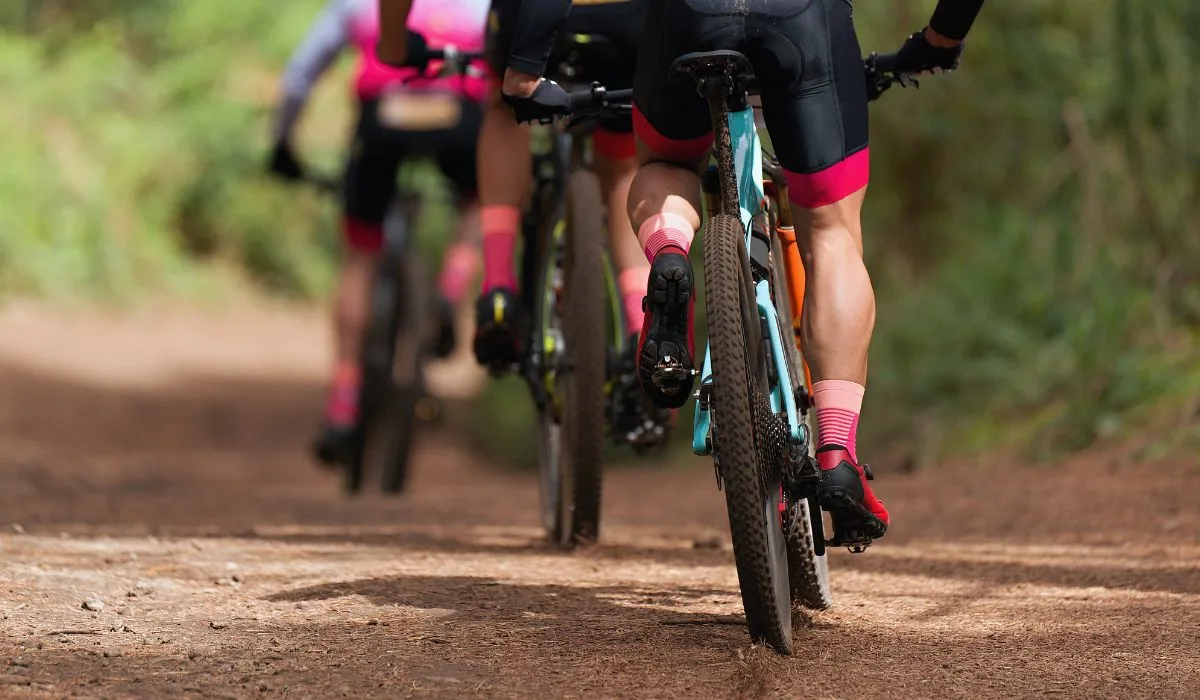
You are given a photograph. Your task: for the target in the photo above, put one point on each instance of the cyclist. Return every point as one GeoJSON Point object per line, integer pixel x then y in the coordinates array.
{"type": "Point", "coordinates": [807, 57]}
{"type": "Point", "coordinates": [391, 101]}
{"type": "Point", "coordinates": [505, 174]}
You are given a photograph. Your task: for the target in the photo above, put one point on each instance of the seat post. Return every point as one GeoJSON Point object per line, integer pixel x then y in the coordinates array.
{"type": "Point", "coordinates": [716, 91]}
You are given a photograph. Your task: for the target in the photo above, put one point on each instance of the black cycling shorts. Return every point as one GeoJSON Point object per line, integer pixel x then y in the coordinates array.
{"type": "Point", "coordinates": [610, 58]}
{"type": "Point", "coordinates": [807, 59]}
{"type": "Point", "coordinates": [376, 153]}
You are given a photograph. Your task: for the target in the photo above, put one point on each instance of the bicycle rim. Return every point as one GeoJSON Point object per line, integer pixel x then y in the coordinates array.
{"type": "Point", "coordinates": [548, 340]}
{"type": "Point", "coordinates": [747, 440]}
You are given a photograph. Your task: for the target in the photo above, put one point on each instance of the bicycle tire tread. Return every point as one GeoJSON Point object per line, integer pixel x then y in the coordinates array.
{"type": "Point", "coordinates": [734, 423]}
{"type": "Point", "coordinates": [587, 348]}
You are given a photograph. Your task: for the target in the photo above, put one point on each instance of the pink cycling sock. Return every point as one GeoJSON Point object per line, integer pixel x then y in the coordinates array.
{"type": "Point", "coordinates": [342, 408]}
{"type": "Point", "coordinates": [632, 283]}
{"type": "Point", "coordinates": [459, 267]}
{"type": "Point", "coordinates": [838, 404]}
{"type": "Point", "coordinates": [665, 230]}
{"type": "Point", "coordinates": [500, 225]}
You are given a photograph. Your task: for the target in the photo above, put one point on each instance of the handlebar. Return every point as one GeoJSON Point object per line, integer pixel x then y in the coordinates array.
{"type": "Point", "coordinates": [879, 68]}
{"type": "Point", "coordinates": [599, 99]}
{"type": "Point", "coordinates": [455, 61]}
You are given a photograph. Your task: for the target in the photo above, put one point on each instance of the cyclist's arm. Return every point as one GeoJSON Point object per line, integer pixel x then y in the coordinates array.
{"type": "Point", "coordinates": [327, 37]}
{"type": "Point", "coordinates": [538, 22]}
{"type": "Point", "coordinates": [951, 21]}
{"type": "Point", "coordinates": [393, 31]}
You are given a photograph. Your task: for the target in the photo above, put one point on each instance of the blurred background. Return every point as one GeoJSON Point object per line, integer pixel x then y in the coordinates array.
{"type": "Point", "coordinates": [1031, 225]}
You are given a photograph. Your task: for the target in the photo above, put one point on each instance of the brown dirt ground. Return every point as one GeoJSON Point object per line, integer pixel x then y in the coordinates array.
{"type": "Point", "coordinates": [156, 463]}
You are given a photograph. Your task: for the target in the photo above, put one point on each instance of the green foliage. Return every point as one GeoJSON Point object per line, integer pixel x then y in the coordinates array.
{"type": "Point", "coordinates": [136, 147]}
{"type": "Point", "coordinates": [1032, 229]}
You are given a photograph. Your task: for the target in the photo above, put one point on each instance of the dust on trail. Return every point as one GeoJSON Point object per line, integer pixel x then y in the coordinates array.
{"type": "Point", "coordinates": [158, 466]}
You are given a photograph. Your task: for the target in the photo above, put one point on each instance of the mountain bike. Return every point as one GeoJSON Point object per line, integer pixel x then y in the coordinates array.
{"type": "Point", "coordinates": [574, 345]}
{"type": "Point", "coordinates": [402, 333]}
{"type": "Point", "coordinates": [752, 409]}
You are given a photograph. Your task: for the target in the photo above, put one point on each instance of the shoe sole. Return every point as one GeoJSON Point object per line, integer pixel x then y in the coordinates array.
{"type": "Point", "coordinates": [494, 347]}
{"type": "Point", "coordinates": [665, 367]}
{"type": "Point", "coordinates": [853, 525]}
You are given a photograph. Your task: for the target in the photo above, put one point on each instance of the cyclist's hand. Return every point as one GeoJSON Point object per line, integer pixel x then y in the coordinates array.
{"type": "Point", "coordinates": [410, 52]}
{"type": "Point", "coordinates": [284, 163]}
{"type": "Point", "coordinates": [548, 100]}
{"type": "Point", "coordinates": [418, 51]}
{"type": "Point", "coordinates": [918, 55]}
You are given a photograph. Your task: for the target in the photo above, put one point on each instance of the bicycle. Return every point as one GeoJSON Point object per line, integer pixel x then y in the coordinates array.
{"type": "Point", "coordinates": [752, 408]}
{"type": "Point", "coordinates": [570, 359]}
{"type": "Point", "coordinates": [402, 333]}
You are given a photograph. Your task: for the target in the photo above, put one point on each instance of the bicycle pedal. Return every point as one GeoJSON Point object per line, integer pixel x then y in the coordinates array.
{"type": "Point", "coordinates": [672, 373]}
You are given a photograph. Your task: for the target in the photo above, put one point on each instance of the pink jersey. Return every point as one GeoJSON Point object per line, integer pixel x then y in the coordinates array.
{"type": "Point", "coordinates": [460, 23]}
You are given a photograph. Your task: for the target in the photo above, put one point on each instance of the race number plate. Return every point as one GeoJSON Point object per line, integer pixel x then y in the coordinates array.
{"type": "Point", "coordinates": [419, 111]}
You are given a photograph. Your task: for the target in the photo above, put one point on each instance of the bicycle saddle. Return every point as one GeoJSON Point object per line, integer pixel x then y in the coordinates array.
{"type": "Point", "coordinates": [707, 64]}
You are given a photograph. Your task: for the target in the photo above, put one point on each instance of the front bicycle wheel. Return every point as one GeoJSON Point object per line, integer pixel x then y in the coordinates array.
{"type": "Point", "coordinates": [808, 571]}
{"type": "Point", "coordinates": [749, 437]}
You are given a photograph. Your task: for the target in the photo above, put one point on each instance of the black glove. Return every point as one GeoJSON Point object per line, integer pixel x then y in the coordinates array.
{"type": "Point", "coordinates": [918, 55]}
{"type": "Point", "coordinates": [418, 51]}
{"type": "Point", "coordinates": [548, 101]}
{"type": "Point", "coordinates": [284, 163]}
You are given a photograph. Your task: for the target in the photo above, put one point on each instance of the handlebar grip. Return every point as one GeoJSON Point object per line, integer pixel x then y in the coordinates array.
{"type": "Point", "coordinates": [620, 95]}
{"type": "Point", "coordinates": [586, 100]}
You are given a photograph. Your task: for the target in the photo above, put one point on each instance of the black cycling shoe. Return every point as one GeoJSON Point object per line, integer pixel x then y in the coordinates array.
{"type": "Point", "coordinates": [497, 345]}
{"type": "Point", "coordinates": [636, 421]}
{"type": "Point", "coordinates": [334, 445]}
{"type": "Point", "coordinates": [665, 366]}
{"type": "Point", "coordinates": [858, 516]}
{"type": "Point", "coordinates": [443, 347]}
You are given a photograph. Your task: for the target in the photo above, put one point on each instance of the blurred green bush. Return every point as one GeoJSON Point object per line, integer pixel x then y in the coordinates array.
{"type": "Point", "coordinates": [1031, 225]}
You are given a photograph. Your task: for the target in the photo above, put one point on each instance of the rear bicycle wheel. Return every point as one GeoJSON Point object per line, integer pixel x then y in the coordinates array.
{"type": "Point", "coordinates": [393, 352]}
{"type": "Point", "coordinates": [397, 431]}
{"type": "Point", "coordinates": [808, 571]}
{"type": "Point", "coordinates": [748, 437]}
{"type": "Point", "coordinates": [579, 386]}
{"type": "Point", "coordinates": [571, 329]}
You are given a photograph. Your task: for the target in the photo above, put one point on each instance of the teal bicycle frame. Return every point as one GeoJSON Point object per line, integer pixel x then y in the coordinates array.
{"type": "Point", "coordinates": [748, 164]}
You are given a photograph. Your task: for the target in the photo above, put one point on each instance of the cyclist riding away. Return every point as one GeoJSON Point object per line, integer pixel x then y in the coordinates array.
{"type": "Point", "coordinates": [505, 168]}
{"type": "Point", "coordinates": [386, 134]}
{"type": "Point", "coordinates": [807, 58]}
{"type": "Point", "coordinates": [505, 174]}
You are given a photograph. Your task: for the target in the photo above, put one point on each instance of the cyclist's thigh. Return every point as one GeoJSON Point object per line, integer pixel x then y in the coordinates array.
{"type": "Point", "coordinates": [375, 155]}
{"type": "Point", "coordinates": [814, 98]}
{"type": "Point", "coordinates": [456, 148]}
{"type": "Point", "coordinates": [670, 118]}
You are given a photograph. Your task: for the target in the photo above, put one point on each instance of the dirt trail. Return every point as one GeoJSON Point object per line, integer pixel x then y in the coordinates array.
{"type": "Point", "coordinates": [156, 465]}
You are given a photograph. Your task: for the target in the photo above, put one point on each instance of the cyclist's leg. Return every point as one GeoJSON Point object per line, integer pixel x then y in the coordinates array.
{"type": "Point", "coordinates": [456, 156]}
{"type": "Point", "coordinates": [674, 136]}
{"type": "Point", "coordinates": [505, 172]}
{"type": "Point", "coordinates": [816, 111]}
{"type": "Point", "coordinates": [616, 166]}
{"type": "Point", "coordinates": [369, 185]}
